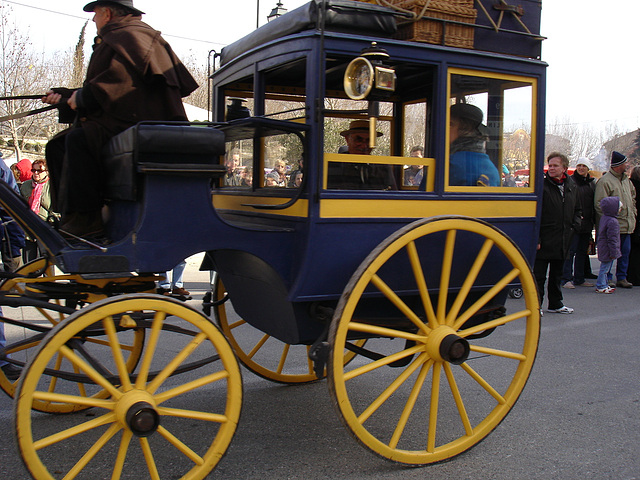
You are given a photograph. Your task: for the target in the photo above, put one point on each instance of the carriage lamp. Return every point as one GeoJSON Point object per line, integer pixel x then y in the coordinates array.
{"type": "Point", "coordinates": [367, 77]}
{"type": "Point", "coordinates": [236, 109]}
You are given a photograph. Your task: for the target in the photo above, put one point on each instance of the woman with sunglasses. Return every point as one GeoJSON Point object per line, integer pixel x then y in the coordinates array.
{"type": "Point", "coordinates": [36, 191]}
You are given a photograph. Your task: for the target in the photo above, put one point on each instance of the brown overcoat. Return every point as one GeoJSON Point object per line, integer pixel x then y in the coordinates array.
{"type": "Point", "coordinates": [133, 75]}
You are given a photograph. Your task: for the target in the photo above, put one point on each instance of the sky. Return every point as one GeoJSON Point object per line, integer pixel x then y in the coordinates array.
{"type": "Point", "coordinates": [590, 46]}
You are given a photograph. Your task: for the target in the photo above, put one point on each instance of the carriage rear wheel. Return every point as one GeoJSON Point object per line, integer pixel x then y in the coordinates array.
{"type": "Point", "coordinates": [131, 346]}
{"type": "Point", "coordinates": [261, 353]}
{"type": "Point", "coordinates": [176, 414]}
{"type": "Point", "coordinates": [460, 362]}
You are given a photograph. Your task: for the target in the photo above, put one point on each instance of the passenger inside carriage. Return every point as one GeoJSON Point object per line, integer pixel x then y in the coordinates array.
{"type": "Point", "coordinates": [469, 165]}
{"type": "Point", "coordinates": [359, 176]}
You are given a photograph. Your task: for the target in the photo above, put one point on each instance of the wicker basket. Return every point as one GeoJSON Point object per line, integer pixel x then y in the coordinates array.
{"type": "Point", "coordinates": [431, 29]}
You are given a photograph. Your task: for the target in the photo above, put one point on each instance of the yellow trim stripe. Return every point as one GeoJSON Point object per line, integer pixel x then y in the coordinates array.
{"type": "Point", "coordinates": [333, 208]}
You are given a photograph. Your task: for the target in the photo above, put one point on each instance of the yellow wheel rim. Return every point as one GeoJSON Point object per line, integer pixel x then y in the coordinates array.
{"type": "Point", "coordinates": [431, 409]}
{"type": "Point", "coordinates": [189, 439]}
{"type": "Point", "coordinates": [132, 347]}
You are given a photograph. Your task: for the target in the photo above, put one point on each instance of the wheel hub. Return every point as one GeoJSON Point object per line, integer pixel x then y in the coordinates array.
{"type": "Point", "coordinates": [444, 345]}
{"type": "Point", "coordinates": [454, 349]}
{"type": "Point", "coordinates": [142, 419]}
{"type": "Point", "coordinates": [136, 410]}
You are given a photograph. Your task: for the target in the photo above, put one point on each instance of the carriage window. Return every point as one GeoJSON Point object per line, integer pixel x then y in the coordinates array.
{"type": "Point", "coordinates": [348, 137]}
{"type": "Point", "coordinates": [490, 135]}
{"type": "Point", "coordinates": [239, 162]}
{"type": "Point", "coordinates": [414, 121]}
{"type": "Point", "coordinates": [282, 163]}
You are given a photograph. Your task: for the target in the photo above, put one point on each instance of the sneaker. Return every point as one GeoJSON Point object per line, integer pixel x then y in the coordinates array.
{"type": "Point", "coordinates": [591, 276]}
{"type": "Point", "coordinates": [180, 291]}
{"type": "Point", "coordinates": [563, 309]}
{"type": "Point", "coordinates": [605, 290]}
{"type": "Point", "coordinates": [585, 284]}
{"type": "Point", "coordinates": [11, 371]}
{"type": "Point", "coordinates": [569, 284]}
{"type": "Point", "coordinates": [624, 283]}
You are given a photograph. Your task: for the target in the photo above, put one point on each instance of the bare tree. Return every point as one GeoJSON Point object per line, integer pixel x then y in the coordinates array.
{"type": "Point", "coordinates": [584, 141]}
{"type": "Point", "coordinates": [22, 72]}
{"type": "Point", "coordinates": [78, 60]}
{"type": "Point", "coordinates": [199, 97]}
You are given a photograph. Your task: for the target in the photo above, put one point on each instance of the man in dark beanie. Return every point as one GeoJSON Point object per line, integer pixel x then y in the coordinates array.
{"type": "Point", "coordinates": [616, 183]}
{"type": "Point", "coordinates": [133, 75]}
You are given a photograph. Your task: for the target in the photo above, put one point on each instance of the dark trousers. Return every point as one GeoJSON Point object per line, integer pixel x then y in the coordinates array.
{"type": "Point", "coordinates": [622, 265]}
{"type": "Point", "coordinates": [75, 171]}
{"type": "Point", "coordinates": [633, 273]}
{"type": "Point", "coordinates": [554, 291]}
{"type": "Point", "coordinates": [574, 265]}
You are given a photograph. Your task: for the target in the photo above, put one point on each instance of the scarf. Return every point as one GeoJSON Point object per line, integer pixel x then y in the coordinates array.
{"type": "Point", "coordinates": [467, 144]}
{"type": "Point", "coordinates": [559, 182]}
{"type": "Point", "coordinates": [36, 195]}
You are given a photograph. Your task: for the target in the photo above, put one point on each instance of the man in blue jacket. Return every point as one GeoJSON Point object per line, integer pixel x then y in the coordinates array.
{"type": "Point", "coordinates": [12, 243]}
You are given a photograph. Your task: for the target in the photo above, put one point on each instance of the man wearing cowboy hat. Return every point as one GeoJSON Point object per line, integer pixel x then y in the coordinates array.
{"type": "Point", "coordinates": [359, 176]}
{"type": "Point", "coordinates": [133, 75]}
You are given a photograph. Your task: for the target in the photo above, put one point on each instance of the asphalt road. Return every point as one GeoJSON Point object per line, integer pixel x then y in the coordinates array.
{"type": "Point", "coordinates": [578, 418]}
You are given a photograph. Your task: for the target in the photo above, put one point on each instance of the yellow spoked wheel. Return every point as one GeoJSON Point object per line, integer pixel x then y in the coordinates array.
{"type": "Point", "coordinates": [261, 353]}
{"type": "Point", "coordinates": [176, 415]}
{"type": "Point", "coordinates": [448, 363]}
{"type": "Point", "coordinates": [42, 316]}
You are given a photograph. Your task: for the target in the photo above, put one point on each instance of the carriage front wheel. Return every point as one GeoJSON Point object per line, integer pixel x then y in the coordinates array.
{"type": "Point", "coordinates": [176, 413]}
{"type": "Point", "coordinates": [448, 364]}
{"type": "Point", "coordinates": [46, 317]}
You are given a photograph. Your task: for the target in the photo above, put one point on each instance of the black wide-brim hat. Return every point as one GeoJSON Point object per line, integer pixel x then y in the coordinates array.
{"type": "Point", "coordinates": [358, 126]}
{"type": "Point", "coordinates": [89, 7]}
{"type": "Point", "coordinates": [470, 113]}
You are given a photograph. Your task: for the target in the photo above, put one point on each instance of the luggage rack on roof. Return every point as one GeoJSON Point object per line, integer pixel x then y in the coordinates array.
{"type": "Point", "coordinates": [501, 28]}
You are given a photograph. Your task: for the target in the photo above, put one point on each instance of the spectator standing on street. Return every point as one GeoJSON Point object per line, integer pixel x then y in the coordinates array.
{"type": "Point", "coordinates": [633, 273]}
{"type": "Point", "coordinates": [176, 285]}
{"type": "Point", "coordinates": [36, 191]}
{"type": "Point", "coordinates": [560, 218]}
{"type": "Point", "coordinates": [278, 173]}
{"type": "Point", "coordinates": [616, 183]}
{"type": "Point", "coordinates": [23, 168]}
{"type": "Point", "coordinates": [12, 238]}
{"type": "Point", "coordinates": [413, 173]}
{"type": "Point", "coordinates": [608, 242]}
{"type": "Point", "coordinates": [574, 266]}
{"type": "Point", "coordinates": [231, 178]}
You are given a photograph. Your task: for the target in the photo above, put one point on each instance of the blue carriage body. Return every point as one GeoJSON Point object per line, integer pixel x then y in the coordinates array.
{"type": "Point", "coordinates": [283, 251]}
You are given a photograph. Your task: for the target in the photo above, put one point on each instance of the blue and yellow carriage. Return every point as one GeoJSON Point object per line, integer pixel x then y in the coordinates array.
{"type": "Point", "coordinates": [397, 296]}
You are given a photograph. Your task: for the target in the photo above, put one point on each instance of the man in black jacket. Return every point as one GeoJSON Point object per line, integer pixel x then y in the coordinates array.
{"type": "Point", "coordinates": [560, 218]}
{"type": "Point", "coordinates": [574, 272]}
